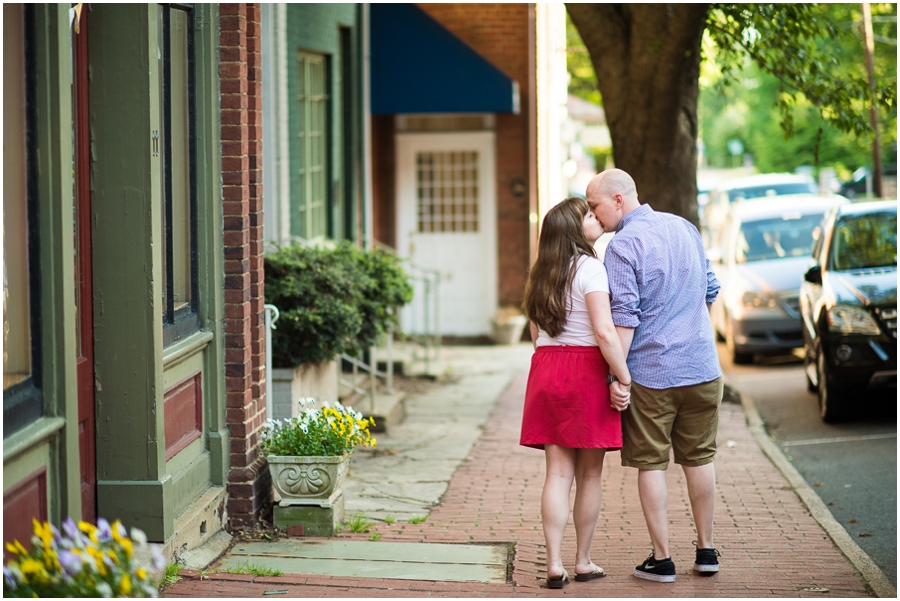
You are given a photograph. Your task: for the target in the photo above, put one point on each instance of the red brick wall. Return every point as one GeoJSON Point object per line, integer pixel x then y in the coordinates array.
{"type": "Point", "coordinates": [499, 33]}
{"type": "Point", "coordinates": [249, 483]}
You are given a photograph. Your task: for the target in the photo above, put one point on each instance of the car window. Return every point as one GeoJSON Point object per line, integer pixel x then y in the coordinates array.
{"type": "Point", "coordinates": [864, 241]}
{"type": "Point", "coordinates": [773, 190]}
{"type": "Point", "coordinates": [790, 235]}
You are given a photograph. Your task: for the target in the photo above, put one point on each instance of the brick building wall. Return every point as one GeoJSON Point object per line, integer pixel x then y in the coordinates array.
{"type": "Point", "coordinates": [249, 482]}
{"type": "Point", "coordinates": [499, 33]}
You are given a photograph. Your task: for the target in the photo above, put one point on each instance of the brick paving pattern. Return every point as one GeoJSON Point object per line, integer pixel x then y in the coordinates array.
{"type": "Point", "coordinates": [771, 546]}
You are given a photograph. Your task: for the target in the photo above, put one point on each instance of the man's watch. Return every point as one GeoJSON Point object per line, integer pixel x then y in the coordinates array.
{"type": "Point", "coordinates": [610, 378]}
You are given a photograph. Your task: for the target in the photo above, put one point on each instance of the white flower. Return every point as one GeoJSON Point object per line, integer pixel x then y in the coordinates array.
{"type": "Point", "coordinates": [104, 590]}
{"type": "Point", "coordinates": [138, 536]}
{"type": "Point", "coordinates": [325, 404]}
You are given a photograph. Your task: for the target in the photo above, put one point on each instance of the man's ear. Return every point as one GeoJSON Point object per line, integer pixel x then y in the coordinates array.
{"type": "Point", "coordinates": [620, 200]}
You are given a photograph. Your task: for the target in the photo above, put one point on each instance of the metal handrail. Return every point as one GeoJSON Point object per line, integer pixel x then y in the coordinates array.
{"type": "Point", "coordinates": [431, 340]}
{"type": "Point", "coordinates": [269, 310]}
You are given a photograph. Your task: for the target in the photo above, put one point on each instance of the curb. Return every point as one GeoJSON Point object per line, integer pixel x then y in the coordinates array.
{"type": "Point", "coordinates": [871, 573]}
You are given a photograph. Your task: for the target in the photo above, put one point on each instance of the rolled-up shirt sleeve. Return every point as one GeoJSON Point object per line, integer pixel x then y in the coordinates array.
{"type": "Point", "coordinates": [712, 283]}
{"type": "Point", "coordinates": [624, 298]}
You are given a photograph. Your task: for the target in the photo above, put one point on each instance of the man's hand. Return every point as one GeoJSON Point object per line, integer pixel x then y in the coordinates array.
{"type": "Point", "coordinates": [619, 396]}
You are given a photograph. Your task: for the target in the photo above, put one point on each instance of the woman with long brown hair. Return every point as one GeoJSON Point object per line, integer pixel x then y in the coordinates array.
{"type": "Point", "coordinates": [578, 360]}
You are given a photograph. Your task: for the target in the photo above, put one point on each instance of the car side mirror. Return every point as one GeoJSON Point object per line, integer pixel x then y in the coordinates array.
{"type": "Point", "coordinates": [813, 275]}
{"type": "Point", "coordinates": [714, 255]}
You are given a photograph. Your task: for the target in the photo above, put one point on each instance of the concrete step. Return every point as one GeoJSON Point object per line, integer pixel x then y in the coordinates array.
{"type": "Point", "coordinates": [388, 409]}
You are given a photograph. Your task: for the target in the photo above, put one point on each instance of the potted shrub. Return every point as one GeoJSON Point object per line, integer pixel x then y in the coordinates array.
{"type": "Point", "coordinates": [83, 561]}
{"type": "Point", "coordinates": [309, 454]}
{"type": "Point", "coordinates": [332, 300]}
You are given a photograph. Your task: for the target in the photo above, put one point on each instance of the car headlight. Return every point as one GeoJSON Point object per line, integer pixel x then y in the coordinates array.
{"type": "Point", "coordinates": [758, 300]}
{"type": "Point", "coordinates": [851, 320]}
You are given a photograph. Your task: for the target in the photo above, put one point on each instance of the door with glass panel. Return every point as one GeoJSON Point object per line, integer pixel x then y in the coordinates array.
{"type": "Point", "coordinates": [446, 223]}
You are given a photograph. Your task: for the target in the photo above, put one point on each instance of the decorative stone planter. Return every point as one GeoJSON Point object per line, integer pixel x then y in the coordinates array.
{"type": "Point", "coordinates": [308, 480]}
{"type": "Point", "coordinates": [507, 329]}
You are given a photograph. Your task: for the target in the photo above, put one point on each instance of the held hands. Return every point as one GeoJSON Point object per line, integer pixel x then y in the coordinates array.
{"type": "Point", "coordinates": [620, 396]}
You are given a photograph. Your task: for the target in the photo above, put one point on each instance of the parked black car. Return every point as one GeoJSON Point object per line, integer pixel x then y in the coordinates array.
{"type": "Point", "coordinates": [848, 303]}
{"type": "Point", "coordinates": [856, 186]}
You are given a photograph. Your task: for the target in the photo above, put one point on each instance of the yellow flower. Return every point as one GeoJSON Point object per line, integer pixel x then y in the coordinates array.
{"type": "Point", "coordinates": [98, 560]}
{"type": "Point", "coordinates": [125, 585]}
{"type": "Point", "coordinates": [374, 443]}
{"type": "Point", "coordinates": [31, 566]}
{"type": "Point", "coordinates": [50, 559]}
{"type": "Point", "coordinates": [114, 530]}
{"type": "Point", "coordinates": [141, 573]}
{"type": "Point", "coordinates": [113, 557]}
{"type": "Point", "coordinates": [129, 549]}
{"type": "Point", "coordinates": [371, 421]}
{"type": "Point", "coordinates": [86, 527]}
{"type": "Point", "coordinates": [89, 529]}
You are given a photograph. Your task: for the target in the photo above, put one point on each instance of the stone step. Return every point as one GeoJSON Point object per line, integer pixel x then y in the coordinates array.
{"type": "Point", "coordinates": [389, 409]}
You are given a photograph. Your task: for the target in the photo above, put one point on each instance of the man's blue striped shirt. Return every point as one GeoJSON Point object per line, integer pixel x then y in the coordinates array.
{"type": "Point", "coordinates": [660, 281]}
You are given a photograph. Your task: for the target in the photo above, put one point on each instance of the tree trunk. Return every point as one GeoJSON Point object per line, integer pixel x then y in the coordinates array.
{"type": "Point", "coordinates": [647, 60]}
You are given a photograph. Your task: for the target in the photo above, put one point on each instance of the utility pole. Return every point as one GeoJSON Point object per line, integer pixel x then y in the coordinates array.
{"type": "Point", "coordinates": [869, 43]}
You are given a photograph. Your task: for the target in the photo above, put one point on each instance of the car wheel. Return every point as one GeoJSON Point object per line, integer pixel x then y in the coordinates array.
{"type": "Point", "coordinates": [737, 357]}
{"type": "Point", "coordinates": [807, 368]}
{"type": "Point", "coordinates": [832, 404]}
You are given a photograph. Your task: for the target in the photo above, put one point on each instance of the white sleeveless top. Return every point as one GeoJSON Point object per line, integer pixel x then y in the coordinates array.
{"type": "Point", "coordinates": [590, 276]}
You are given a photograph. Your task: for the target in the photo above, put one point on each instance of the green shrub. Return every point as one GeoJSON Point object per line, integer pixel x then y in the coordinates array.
{"type": "Point", "coordinates": [331, 300]}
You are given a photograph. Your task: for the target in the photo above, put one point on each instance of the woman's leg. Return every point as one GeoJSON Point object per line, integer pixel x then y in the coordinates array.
{"type": "Point", "coordinates": [555, 503]}
{"type": "Point", "coordinates": [588, 470]}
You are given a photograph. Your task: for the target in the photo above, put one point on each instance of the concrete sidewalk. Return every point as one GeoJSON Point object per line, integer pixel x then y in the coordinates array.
{"type": "Point", "coordinates": [771, 545]}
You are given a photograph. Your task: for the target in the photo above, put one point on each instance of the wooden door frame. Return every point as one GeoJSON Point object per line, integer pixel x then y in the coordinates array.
{"type": "Point", "coordinates": [405, 144]}
{"type": "Point", "coordinates": [85, 354]}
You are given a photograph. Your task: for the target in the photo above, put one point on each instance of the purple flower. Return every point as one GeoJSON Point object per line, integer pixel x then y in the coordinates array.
{"type": "Point", "coordinates": [10, 579]}
{"type": "Point", "coordinates": [104, 533]}
{"type": "Point", "coordinates": [159, 560]}
{"type": "Point", "coordinates": [70, 562]}
{"type": "Point", "coordinates": [71, 529]}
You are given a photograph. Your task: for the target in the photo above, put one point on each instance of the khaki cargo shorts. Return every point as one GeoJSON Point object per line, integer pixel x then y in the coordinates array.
{"type": "Point", "coordinates": [684, 419]}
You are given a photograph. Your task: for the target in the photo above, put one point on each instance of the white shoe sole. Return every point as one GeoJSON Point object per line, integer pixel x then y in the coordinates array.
{"type": "Point", "coordinates": [706, 568]}
{"type": "Point", "coordinates": [654, 577]}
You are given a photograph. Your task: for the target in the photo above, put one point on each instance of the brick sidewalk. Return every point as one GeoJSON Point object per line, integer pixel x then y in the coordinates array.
{"type": "Point", "coordinates": [770, 544]}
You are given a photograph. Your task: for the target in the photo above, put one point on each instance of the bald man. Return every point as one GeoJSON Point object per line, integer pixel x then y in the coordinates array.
{"type": "Point", "coordinates": [661, 289]}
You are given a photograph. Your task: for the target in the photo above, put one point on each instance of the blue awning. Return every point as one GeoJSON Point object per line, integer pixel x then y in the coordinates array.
{"type": "Point", "coordinates": [418, 66]}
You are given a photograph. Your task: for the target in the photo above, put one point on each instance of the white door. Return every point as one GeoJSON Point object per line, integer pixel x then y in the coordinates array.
{"type": "Point", "coordinates": [446, 222]}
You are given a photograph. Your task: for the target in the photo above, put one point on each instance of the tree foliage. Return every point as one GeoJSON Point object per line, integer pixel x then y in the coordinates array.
{"type": "Point", "coordinates": [795, 43]}
{"type": "Point", "coordinates": [582, 79]}
{"type": "Point", "coordinates": [746, 107]}
{"type": "Point", "coordinates": [647, 60]}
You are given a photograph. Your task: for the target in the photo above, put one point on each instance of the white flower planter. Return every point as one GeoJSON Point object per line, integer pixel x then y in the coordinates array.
{"type": "Point", "coordinates": [308, 480]}
{"type": "Point", "coordinates": [508, 330]}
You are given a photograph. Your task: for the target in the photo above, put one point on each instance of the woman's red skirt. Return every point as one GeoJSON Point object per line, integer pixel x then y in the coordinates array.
{"type": "Point", "coordinates": [567, 400]}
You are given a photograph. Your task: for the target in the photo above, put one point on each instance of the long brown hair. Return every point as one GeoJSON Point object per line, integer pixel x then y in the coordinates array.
{"type": "Point", "coordinates": [561, 243]}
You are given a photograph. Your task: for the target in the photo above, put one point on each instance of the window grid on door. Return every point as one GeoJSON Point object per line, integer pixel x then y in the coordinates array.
{"type": "Point", "coordinates": [447, 191]}
{"type": "Point", "coordinates": [311, 219]}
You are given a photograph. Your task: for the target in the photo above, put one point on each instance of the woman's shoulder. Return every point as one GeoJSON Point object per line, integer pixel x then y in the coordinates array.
{"type": "Point", "coordinates": [590, 263]}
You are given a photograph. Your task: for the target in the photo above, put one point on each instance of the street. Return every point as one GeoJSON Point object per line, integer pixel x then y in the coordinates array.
{"type": "Point", "coordinates": [852, 466]}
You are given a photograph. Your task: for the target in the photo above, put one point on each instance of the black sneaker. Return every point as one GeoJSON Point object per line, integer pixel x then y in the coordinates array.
{"type": "Point", "coordinates": [707, 562]}
{"type": "Point", "coordinates": [658, 570]}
